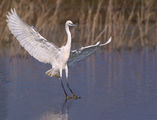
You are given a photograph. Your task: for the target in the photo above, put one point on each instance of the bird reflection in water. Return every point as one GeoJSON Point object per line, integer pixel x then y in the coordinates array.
{"type": "Point", "coordinates": [61, 115]}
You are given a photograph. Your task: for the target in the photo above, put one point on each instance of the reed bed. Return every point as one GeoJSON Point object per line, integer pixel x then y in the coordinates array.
{"type": "Point", "coordinates": [132, 24]}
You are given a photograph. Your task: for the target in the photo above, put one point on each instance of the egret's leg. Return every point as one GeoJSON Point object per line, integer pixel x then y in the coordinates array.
{"type": "Point", "coordinates": [66, 95]}
{"type": "Point", "coordinates": [63, 88]}
{"type": "Point", "coordinates": [73, 95]}
{"type": "Point", "coordinates": [68, 86]}
{"type": "Point", "coordinates": [66, 73]}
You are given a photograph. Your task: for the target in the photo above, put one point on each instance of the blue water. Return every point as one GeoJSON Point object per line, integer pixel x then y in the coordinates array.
{"type": "Point", "coordinates": [112, 85]}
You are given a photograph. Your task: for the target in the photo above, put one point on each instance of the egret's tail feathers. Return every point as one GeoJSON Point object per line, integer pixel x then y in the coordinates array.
{"type": "Point", "coordinates": [53, 73]}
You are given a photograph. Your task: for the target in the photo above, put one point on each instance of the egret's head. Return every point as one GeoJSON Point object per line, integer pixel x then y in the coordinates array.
{"type": "Point", "coordinates": [69, 23]}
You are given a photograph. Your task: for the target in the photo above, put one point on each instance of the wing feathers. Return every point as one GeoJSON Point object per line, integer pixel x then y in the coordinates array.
{"type": "Point", "coordinates": [109, 40]}
{"type": "Point", "coordinates": [84, 52]}
{"type": "Point", "coordinates": [36, 45]}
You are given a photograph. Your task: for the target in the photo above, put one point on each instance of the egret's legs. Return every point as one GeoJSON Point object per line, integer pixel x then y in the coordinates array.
{"type": "Point", "coordinates": [68, 86]}
{"type": "Point", "coordinates": [73, 95]}
{"type": "Point", "coordinates": [66, 95]}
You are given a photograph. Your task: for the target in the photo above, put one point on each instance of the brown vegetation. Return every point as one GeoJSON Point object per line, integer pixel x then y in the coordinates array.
{"type": "Point", "coordinates": [130, 23]}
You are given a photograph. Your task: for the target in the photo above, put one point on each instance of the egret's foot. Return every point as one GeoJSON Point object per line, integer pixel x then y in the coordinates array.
{"type": "Point", "coordinates": [75, 97]}
{"type": "Point", "coordinates": [67, 97]}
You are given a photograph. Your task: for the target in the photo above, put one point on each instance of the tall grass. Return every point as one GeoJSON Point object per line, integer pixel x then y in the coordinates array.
{"type": "Point", "coordinates": [130, 23]}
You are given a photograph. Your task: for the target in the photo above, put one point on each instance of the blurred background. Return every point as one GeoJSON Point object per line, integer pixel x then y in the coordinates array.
{"type": "Point", "coordinates": [132, 24]}
{"type": "Point", "coordinates": [118, 82]}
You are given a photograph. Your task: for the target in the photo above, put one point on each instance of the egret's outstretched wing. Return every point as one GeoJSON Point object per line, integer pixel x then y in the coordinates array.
{"type": "Point", "coordinates": [82, 53]}
{"type": "Point", "coordinates": [36, 45]}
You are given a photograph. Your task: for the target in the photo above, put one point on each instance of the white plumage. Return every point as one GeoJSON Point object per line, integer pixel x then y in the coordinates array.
{"type": "Point", "coordinates": [44, 51]}
{"type": "Point", "coordinates": [36, 45]}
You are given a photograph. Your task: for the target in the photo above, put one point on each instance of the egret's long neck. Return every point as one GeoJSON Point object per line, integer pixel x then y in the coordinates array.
{"type": "Point", "coordinates": [68, 44]}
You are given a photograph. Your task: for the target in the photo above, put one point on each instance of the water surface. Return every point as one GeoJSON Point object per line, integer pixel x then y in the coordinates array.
{"type": "Point", "coordinates": [113, 86]}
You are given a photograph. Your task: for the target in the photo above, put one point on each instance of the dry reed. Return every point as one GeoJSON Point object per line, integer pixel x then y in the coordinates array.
{"type": "Point", "coordinates": [131, 27]}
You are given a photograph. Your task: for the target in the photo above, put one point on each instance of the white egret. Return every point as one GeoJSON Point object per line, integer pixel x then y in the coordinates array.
{"type": "Point", "coordinates": [46, 52]}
